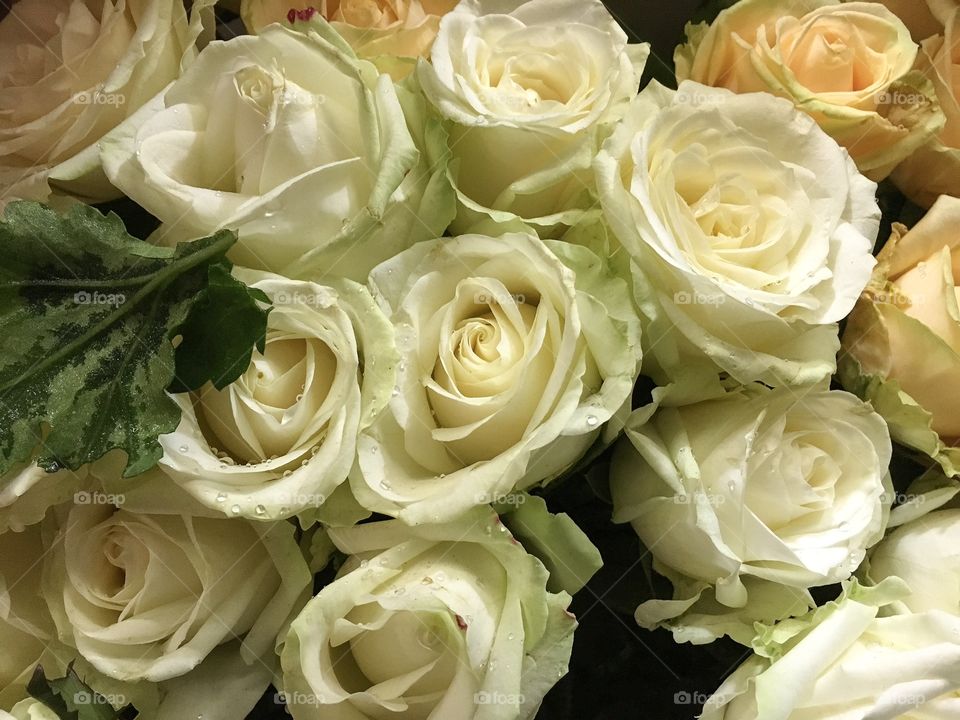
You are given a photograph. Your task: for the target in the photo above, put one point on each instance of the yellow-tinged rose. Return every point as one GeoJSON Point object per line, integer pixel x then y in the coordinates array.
{"type": "Point", "coordinates": [73, 70]}
{"type": "Point", "coordinates": [848, 65]}
{"type": "Point", "coordinates": [902, 342]}
{"type": "Point", "coordinates": [383, 30]}
{"type": "Point", "coordinates": [934, 169]}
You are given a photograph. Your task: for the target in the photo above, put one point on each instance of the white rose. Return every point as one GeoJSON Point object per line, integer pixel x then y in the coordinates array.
{"type": "Point", "coordinates": [849, 65]}
{"type": "Point", "coordinates": [283, 436]}
{"type": "Point", "coordinates": [747, 501]}
{"type": "Point", "coordinates": [843, 662]}
{"type": "Point", "coordinates": [71, 71]}
{"type": "Point", "coordinates": [437, 621]}
{"type": "Point", "coordinates": [530, 84]}
{"type": "Point", "coordinates": [290, 140]}
{"type": "Point", "coordinates": [925, 554]}
{"type": "Point", "coordinates": [150, 597]}
{"type": "Point", "coordinates": [27, 632]}
{"type": "Point", "coordinates": [29, 710]}
{"type": "Point", "coordinates": [514, 355]}
{"type": "Point", "coordinates": [28, 491]}
{"type": "Point", "coordinates": [750, 232]}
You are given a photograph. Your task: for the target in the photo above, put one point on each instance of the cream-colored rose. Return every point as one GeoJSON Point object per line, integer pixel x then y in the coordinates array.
{"type": "Point", "coordinates": [28, 491]}
{"type": "Point", "coordinates": [29, 710]}
{"type": "Point", "coordinates": [934, 169]}
{"type": "Point", "coordinates": [150, 596]}
{"type": "Point", "coordinates": [924, 17]}
{"type": "Point", "coordinates": [844, 661]}
{"type": "Point", "coordinates": [438, 622]}
{"type": "Point", "coordinates": [902, 342]}
{"type": "Point", "coordinates": [529, 87]}
{"type": "Point", "coordinates": [747, 501]}
{"type": "Point", "coordinates": [71, 71]}
{"type": "Point", "coordinates": [321, 165]}
{"type": "Point", "coordinates": [749, 233]}
{"type": "Point", "coordinates": [849, 65]}
{"type": "Point", "coordinates": [392, 33]}
{"type": "Point", "coordinates": [283, 436]}
{"type": "Point", "coordinates": [27, 632]}
{"type": "Point", "coordinates": [925, 554]}
{"type": "Point", "coordinates": [515, 354]}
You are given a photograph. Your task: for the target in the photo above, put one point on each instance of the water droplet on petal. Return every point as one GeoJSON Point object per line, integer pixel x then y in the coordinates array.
{"type": "Point", "coordinates": [221, 497]}
{"type": "Point", "coordinates": [592, 420]}
{"type": "Point", "coordinates": [261, 510]}
{"type": "Point", "coordinates": [235, 509]}
{"type": "Point", "coordinates": [184, 448]}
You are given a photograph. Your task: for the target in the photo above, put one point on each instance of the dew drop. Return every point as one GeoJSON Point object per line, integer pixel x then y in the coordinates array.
{"type": "Point", "coordinates": [221, 497]}
{"type": "Point", "coordinates": [261, 510]}
{"type": "Point", "coordinates": [592, 420]}
{"type": "Point", "coordinates": [184, 448]}
{"type": "Point", "coordinates": [385, 485]}
{"type": "Point", "coordinates": [235, 509]}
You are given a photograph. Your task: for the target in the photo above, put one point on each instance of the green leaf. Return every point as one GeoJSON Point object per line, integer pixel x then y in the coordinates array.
{"type": "Point", "coordinates": [220, 332]}
{"type": "Point", "coordinates": [89, 315]}
{"type": "Point", "coordinates": [562, 547]}
{"type": "Point", "coordinates": [72, 699]}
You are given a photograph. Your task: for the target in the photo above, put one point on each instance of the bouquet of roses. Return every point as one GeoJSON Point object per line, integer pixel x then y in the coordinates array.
{"type": "Point", "coordinates": [314, 333]}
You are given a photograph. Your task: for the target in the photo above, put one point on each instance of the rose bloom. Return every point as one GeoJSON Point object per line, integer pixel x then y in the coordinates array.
{"type": "Point", "coordinates": [747, 501]}
{"type": "Point", "coordinates": [150, 596]}
{"type": "Point", "coordinates": [533, 84]}
{"type": "Point", "coordinates": [73, 70]}
{"type": "Point", "coordinates": [29, 710]}
{"type": "Point", "coordinates": [390, 32]}
{"type": "Point", "coordinates": [28, 491]}
{"type": "Point", "coordinates": [901, 348]}
{"type": "Point", "coordinates": [925, 554]}
{"type": "Point", "coordinates": [849, 65]}
{"type": "Point", "coordinates": [302, 149]}
{"type": "Point", "coordinates": [934, 169]}
{"type": "Point", "coordinates": [282, 438]}
{"type": "Point", "coordinates": [515, 354]}
{"type": "Point", "coordinates": [27, 632]}
{"type": "Point", "coordinates": [749, 231]}
{"type": "Point", "coordinates": [842, 662]}
{"type": "Point", "coordinates": [923, 17]}
{"type": "Point", "coordinates": [437, 621]}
